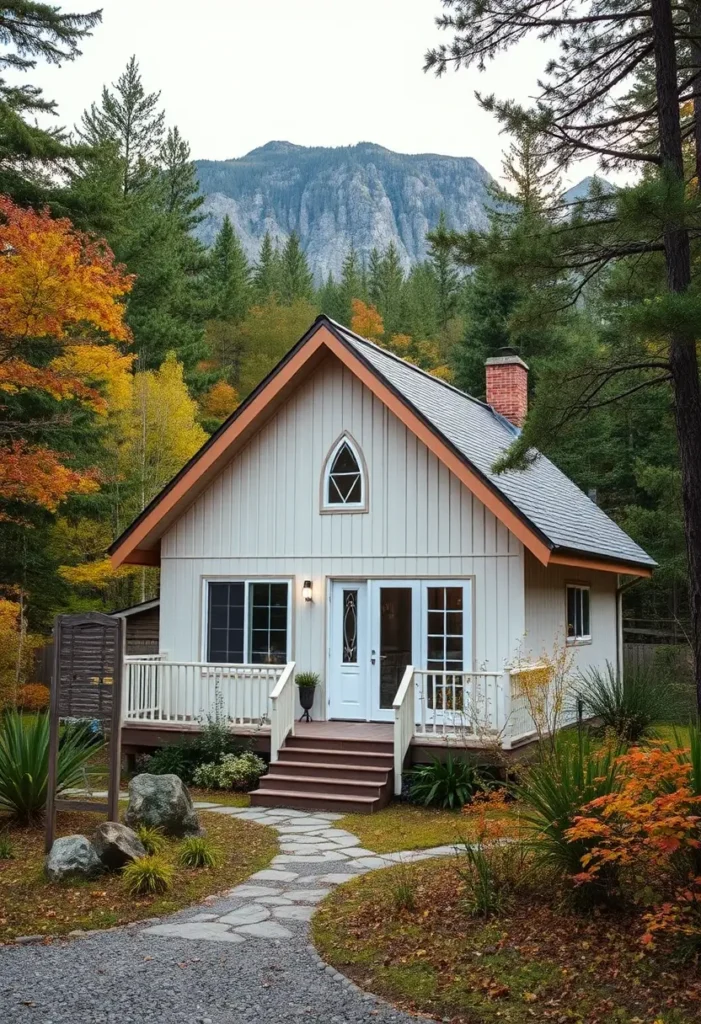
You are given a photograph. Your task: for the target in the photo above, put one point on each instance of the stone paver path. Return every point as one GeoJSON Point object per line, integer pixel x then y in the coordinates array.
{"type": "Point", "coordinates": [243, 957]}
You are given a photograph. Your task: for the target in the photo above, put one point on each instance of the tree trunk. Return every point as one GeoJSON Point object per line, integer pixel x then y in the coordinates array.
{"type": "Point", "coordinates": [682, 348]}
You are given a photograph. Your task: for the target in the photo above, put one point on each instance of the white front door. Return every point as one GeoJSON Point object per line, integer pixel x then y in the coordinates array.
{"type": "Point", "coordinates": [347, 684]}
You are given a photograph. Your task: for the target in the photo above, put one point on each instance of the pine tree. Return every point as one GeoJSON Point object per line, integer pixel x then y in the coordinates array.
{"type": "Point", "coordinates": [229, 276]}
{"type": "Point", "coordinates": [179, 180]}
{"type": "Point", "coordinates": [131, 118]}
{"type": "Point", "coordinates": [29, 154]}
{"type": "Point", "coordinates": [446, 275]}
{"type": "Point", "coordinates": [296, 281]}
{"type": "Point", "coordinates": [266, 273]}
{"type": "Point", "coordinates": [330, 300]}
{"type": "Point", "coordinates": [352, 285]}
{"type": "Point", "coordinates": [387, 280]}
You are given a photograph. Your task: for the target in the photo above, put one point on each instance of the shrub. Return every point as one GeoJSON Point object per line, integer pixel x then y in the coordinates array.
{"type": "Point", "coordinates": [6, 849]}
{"type": "Point", "coordinates": [24, 762]}
{"type": "Point", "coordinates": [198, 852]}
{"type": "Point", "coordinates": [175, 759]}
{"type": "Point", "coordinates": [629, 705]}
{"type": "Point", "coordinates": [449, 784]}
{"type": "Point", "coordinates": [148, 876]}
{"type": "Point", "coordinates": [152, 838]}
{"type": "Point", "coordinates": [554, 791]}
{"type": "Point", "coordinates": [495, 867]}
{"type": "Point", "coordinates": [33, 697]}
{"type": "Point", "coordinates": [233, 771]}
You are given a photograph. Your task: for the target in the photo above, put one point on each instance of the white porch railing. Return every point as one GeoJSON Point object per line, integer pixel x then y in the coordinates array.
{"type": "Point", "coordinates": [283, 704]}
{"type": "Point", "coordinates": [404, 723]}
{"type": "Point", "coordinates": [158, 690]}
{"type": "Point", "coordinates": [459, 703]}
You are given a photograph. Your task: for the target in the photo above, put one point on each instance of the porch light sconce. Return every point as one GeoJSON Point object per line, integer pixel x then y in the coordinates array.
{"type": "Point", "coordinates": [307, 590]}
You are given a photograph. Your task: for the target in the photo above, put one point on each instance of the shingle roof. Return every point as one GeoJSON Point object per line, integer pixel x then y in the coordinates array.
{"type": "Point", "coordinates": [546, 498]}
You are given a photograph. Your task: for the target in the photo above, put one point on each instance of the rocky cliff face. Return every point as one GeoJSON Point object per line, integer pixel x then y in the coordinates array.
{"type": "Point", "coordinates": [363, 195]}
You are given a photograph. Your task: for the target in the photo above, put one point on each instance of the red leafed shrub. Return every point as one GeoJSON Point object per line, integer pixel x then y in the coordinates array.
{"type": "Point", "coordinates": [33, 697]}
{"type": "Point", "coordinates": [649, 830]}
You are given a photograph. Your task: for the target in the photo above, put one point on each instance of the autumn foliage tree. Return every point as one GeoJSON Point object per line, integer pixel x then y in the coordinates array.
{"type": "Point", "coordinates": [59, 291]}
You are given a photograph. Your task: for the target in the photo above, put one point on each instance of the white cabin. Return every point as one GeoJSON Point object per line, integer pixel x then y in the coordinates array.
{"type": "Point", "coordinates": [346, 520]}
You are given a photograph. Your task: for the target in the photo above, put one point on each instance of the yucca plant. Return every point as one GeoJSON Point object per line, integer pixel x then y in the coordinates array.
{"type": "Point", "coordinates": [449, 784]}
{"type": "Point", "coordinates": [152, 838]}
{"type": "Point", "coordinates": [555, 790]}
{"type": "Point", "coordinates": [198, 852]}
{"type": "Point", "coordinates": [148, 876]}
{"type": "Point", "coordinates": [628, 704]}
{"type": "Point", "coordinates": [24, 762]}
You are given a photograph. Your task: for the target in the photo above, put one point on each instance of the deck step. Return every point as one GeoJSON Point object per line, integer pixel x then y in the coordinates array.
{"type": "Point", "coordinates": [368, 773]}
{"type": "Point", "coordinates": [343, 743]}
{"type": "Point", "coordinates": [332, 755]}
{"type": "Point", "coordinates": [321, 784]}
{"type": "Point", "coordinates": [341, 803]}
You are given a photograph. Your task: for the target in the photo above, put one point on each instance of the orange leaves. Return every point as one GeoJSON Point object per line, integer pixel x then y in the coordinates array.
{"type": "Point", "coordinates": [36, 475]}
{"type": "Point", "coordinates": [55, 280]}
{"type": "Point", "coordinates": [56, 284]}
{"type": "Point", "coordinates": [366, 321]}
{"type": "Point", "coordinates": [220, 401]}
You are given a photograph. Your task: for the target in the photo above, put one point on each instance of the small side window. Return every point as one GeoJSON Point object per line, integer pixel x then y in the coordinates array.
{"type": "Point", "coordinates": [578, 613]}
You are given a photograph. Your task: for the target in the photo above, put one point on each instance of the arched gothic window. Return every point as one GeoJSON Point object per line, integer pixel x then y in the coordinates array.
{"type": "Point", "coordinates": [344, 485]}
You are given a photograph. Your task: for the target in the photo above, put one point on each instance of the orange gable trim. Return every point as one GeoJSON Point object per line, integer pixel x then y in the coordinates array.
{"type": "Point", "coordinates": [581, 562]}
{"type": "Point", "coordinates": [139, 546]}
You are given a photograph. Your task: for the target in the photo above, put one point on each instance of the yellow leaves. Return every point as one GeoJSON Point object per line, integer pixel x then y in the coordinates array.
{"type": "Point", "coordinates": [101, 365]}
{"type": "Point", "coordinates": [97, 575]}
{"type": "Point", "coordinates": [220, 401]}
{"type": "Point", "coordinates": [366, 321]}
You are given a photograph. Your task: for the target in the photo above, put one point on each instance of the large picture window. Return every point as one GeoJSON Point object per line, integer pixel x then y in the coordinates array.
{"type": "Point", "coordinates": [344, 485]}
{"type": "Point", "coordinates": [248, 622]}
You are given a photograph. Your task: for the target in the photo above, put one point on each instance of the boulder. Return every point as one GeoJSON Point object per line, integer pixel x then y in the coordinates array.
{"type": "Point", "coordinates": [161, 801]}
{"type": "Point", "coordinates": [116, 845]}
{"type": "Point", "coordinates": [72, 857]}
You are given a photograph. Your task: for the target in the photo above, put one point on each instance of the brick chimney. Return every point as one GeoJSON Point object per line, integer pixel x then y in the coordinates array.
{"type": "Point", "coordinates": [507, 385]}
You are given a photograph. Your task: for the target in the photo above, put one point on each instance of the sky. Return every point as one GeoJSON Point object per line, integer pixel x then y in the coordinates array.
{"type": "Point", "coordinates": [235, 74]}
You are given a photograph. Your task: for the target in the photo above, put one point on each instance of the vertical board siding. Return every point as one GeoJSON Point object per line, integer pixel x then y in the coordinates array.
{"type": "Point", "coordinates": [546, 613]}
{"type": "Point", "coordinates": [261, 517]}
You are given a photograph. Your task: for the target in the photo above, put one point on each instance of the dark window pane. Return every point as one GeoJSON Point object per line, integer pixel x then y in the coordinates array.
{"type": "Point", "coordinates": [278, 618]}
{"type": "Point", "coordinates": [235, 646]}
{"type": "Point", "coordinates": [453, 596]}
{"type": "Point", "coordinates": [571, 594]}
{"type": "Point", "coordinates": [454, 650]}
{"type": "Point", "coordinates": [355, 493]}
{"type": "Point", "coordinates": [436, 597]}
{"type": "Point", "coordinates": [345, 461]}
{"type": "Point", "coordinates": [260, 595]}
{"type": "Point", "coordinates": [436, 622]}
{"type": "Point", "coordinates": [454, 623]}
{"type": "Point", "coordinates": [219, 594]}
{"type": "Point", "coordinates": [278, 594]}
{"type": "Point", "coordinates": [260, 617]}
{"type": "Point", "coordinates": [350, 627]}
{"type": "Point", "coordinates": [455, 666]}
{"type": "Point", "coordinates": [219, 617]}
{"type": "Point", "coordinates": [586, 625]}
{"type": "Point", "coordinates": [436, 648]}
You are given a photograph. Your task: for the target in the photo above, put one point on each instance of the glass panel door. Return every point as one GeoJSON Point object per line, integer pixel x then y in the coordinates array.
{"type": "Point", "coordinates": [395, 651]}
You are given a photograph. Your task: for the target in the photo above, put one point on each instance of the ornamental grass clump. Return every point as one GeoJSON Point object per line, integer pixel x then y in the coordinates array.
{"type": "Point", "coordinates": [554, 791]}
{"type": "Point", "coordinates": [627, 704]}
{"type": "Point", "coordinates": [148, 876]}
{"type": "Point", "coordinates": [198, 852]}
{"type": "Point", "coordinates": [152, 838]}
{"type": "Point", "coordinates": [495, 867]}
{"type": "Point", "coordinates": [24, 762]}
{"type": "Point", "coordinates": [449, 783]}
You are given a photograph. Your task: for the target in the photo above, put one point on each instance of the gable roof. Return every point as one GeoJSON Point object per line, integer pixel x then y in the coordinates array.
{"type": "Point", "coordinates": [552, 517]}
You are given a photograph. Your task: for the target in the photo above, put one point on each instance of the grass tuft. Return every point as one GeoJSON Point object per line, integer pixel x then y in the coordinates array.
{"type": "Point", "coordinates": [198, 852]}
{"type": "Point", "coordinates": [149, 876]}
{"type": "Point", "coordinates": [152, 838]}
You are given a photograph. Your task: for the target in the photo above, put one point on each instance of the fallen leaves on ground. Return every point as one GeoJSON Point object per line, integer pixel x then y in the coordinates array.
{"type": "Point", "coordinates": [540, 961]}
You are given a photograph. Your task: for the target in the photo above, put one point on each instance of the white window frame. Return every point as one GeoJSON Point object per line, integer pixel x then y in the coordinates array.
{"type": "Point", "coordinates": [349, 506]}
{"type": "Point", "coordinates": [247, 582]}
{"type": "Point", "coordinates": [577, 638]}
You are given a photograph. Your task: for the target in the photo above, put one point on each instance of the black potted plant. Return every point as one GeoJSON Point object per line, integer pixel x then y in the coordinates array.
{"type": "Point", "coordinates": [307, 683]}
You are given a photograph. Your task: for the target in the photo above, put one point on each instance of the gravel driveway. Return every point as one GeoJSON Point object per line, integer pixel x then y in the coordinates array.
{"type": "Point", "coordinates": [242, 957]}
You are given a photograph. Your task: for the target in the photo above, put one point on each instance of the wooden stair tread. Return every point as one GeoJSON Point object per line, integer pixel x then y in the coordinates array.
{"type": "Point", "coordinates": [295, 793]}
{"type": "Point", "coordinates": [323, 779]}
{"type": "Point", "coordinates": [324, 766]}
{"type": "Point", "coordinates": [336, 751]}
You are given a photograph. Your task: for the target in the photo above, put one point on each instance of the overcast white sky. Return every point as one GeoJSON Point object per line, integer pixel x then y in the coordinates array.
{"type": "Point", "coordinates": [235, 74]}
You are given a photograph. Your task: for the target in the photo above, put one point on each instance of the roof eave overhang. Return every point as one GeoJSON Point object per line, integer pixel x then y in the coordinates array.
{"type": "Point", "coordinates": [581, 560]}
